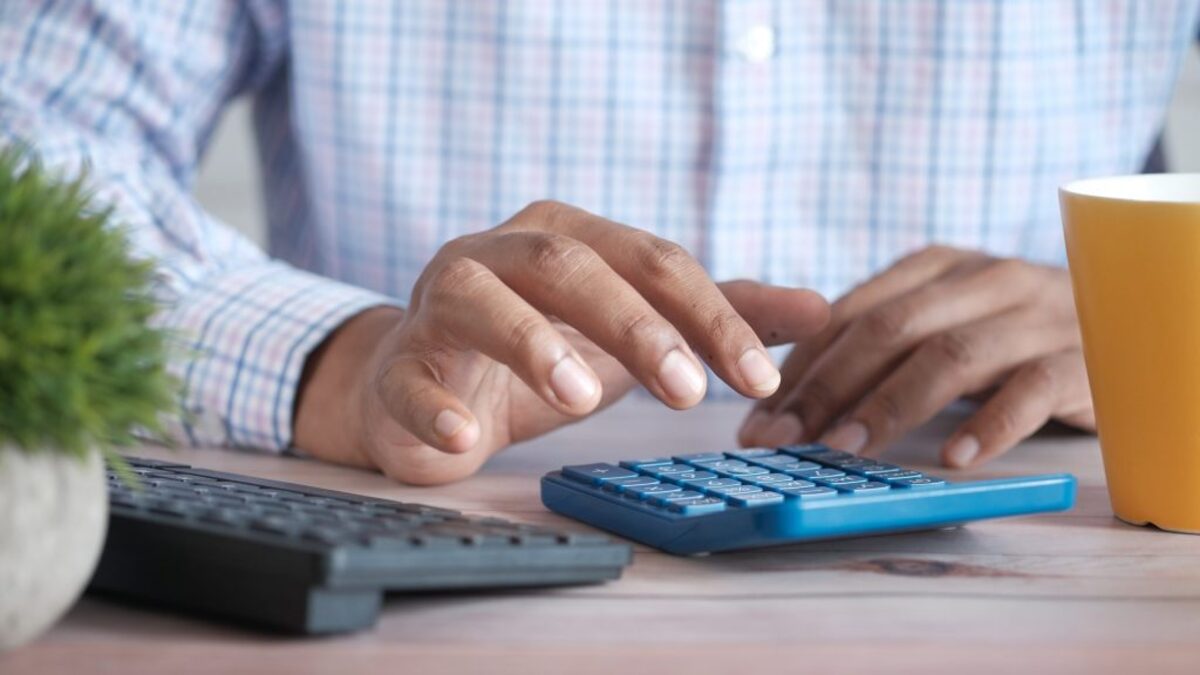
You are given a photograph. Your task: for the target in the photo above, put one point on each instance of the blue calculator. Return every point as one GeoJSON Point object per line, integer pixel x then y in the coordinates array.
{"type": "Point", "coordinates": [718, 501]}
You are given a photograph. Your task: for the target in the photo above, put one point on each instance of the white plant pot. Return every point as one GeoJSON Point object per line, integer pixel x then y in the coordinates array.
{"type": "Point", "coordinates": [53, 516]}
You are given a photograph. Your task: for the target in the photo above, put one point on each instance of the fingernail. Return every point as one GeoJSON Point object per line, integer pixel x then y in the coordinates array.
{"type": "Point", "coordinates": [754, 425]}
{"type": "Point", "coordinates": [785, 429]}
{"type": "Point", "coordinates": [962, 451]}
{"type": "Point", "coordinates": [680, 377]}
{"type": "Point", "coordinates": [758, 372]}
{"type": "Point", "coordinates": [448, 423]}
{"type": "Point", "coordinates": [850, 437]}
{"type": "Point", "coordinates": [572, 384]}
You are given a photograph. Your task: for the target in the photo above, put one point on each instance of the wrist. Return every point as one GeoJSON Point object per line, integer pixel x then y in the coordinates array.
{"type": "Point", "coordinates": [326, 421]}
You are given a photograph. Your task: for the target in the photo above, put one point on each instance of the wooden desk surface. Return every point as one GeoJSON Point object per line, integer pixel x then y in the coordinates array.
{"type": "Point", "coordinates": [1073, 592]}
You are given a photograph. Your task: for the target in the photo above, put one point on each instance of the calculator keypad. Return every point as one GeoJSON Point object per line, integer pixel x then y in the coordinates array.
{"type": "Point", "coordinates": [709, 482]}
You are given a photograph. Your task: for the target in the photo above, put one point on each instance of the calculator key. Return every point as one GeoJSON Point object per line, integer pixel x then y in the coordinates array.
{"type": "Point", "coordinates": [689, 477]}
{"type": "Point", "coordinates": [901, 475]}
{"type": "Point", "coordinates": [735, 490]}
{"type": "Point", "coordinates": [724, 464]}
{"type": "Point", "coordinates": [752, 453]}
{"type": "Point", "coordinates": [667, 470]}
{"type": "Point", "coordinates": [668, 497]}
{"type": "Point", "coordinates": [851, 463]}
{"type": "Point", "coordinates": [620, 484]}
{"type": "Point", "coordinates": [797, 465]}
{"type": "Point", "coordinates": [596, 474]}
{"type": "Point", "coordinates": [778, 460]}
{"type": "Point", "coordinates": [697, 507]}
{"type": "Point", "coordinates": [792, 485]}
{"type": "Point", "coordinates": [700, 457]}
{"type": "Point", "coordinates": [867, 487]}
{"type": "Point", "coordinates": [817, 453]}
{"type": "Point", "coordinates": [922, 482]}
{"type": "Point", "coordinates": [768, 479]}
{"type": "Point", "coordinates": [876, 469]}
{"type": "Point", "coordinates": [740, 471]}
{"type": "Point", "coordinates": [839, 481]}
{"type": "Point", "coordinates": [714, 483]}
{"type": "Point", "coordinates": [815, 492]}
{"type": "Point", "coordinates": [821, 474]}
{"type": "Point", "coordinates": [648, 491]}
{"type": "Point", "coordinates": [755, 499]}
{"type": "Point", "coordinates": [639, 463]}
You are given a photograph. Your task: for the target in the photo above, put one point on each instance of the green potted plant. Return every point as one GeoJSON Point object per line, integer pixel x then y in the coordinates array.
{"type": "Point", "coordinates": [81, 371]}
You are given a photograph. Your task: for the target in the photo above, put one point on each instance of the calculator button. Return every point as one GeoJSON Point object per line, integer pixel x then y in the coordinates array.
{"type": "Point", "coordinates": [901, 475]}
{"type": "Point", "coordinates": [724, 464]}
{"type": "Point", "coordinates": [735, 489]}
{"type": "Point", "coordinates": [700, 457]}
{"type": "Point", "coordinates": [639, 463]}
{"type": "Point", "coordinates": [752, 453]}
{"type": "Point", "coordinates": [620, 484]}
{"type": "Point", "coordinates": [697, 507]}
{"type": "Point", "coordinates": [778, 460]}
{"type": "Point", "coordinates": [815, 492]}
{"type": "Point", "coordinates": [769, 479]}
{"type": "Point", "coordinates": [863, 488]}
{"type": "Point", "coordinates": [596, 474]}
{"type": "Point", "coordinates": [648, 491]}
{"type": "Point", "coordinates": [668, 470]}
{"type": "Point", "coordinates": [792, 485]}
{"type": "Point", "coordinates": [668, 497]}
{"type": "Point", "coordinates": [922, 482]}
{"type": "Point", "coordinates": [799, 466]}
{"type": "Point", "coordinates": [876, 469]}
{"type": "Point", "coordinates": [714, 483]}
{"type": "Point", "coordinates": [755, 499]}
{"type": "Point", "coordinates": [819, 474]}
{"type": "Point", "coordinates": [839, 481]}
{"type": "Point", "coordinates": [689, 477]}
{"type": "Point", "coordinates": [851, 463]}
{"type": "Point", "coordinates": [741, 471]}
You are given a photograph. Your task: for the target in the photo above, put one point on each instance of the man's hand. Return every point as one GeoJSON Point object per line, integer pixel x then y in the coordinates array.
{"type": "Point", "coordinates": [938, 325]}
{"type": "Point", "coordinates": [520, 329]}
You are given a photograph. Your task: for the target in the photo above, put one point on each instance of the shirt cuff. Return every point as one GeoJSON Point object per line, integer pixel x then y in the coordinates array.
{"type": "Point", "coordinates": [243, 337]}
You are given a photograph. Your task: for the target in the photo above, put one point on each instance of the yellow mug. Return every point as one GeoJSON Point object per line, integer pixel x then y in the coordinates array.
{"type": "Point", "coordinates": [1133, 247]}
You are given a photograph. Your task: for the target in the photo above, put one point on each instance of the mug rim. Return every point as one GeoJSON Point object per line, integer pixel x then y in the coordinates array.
{"type": "Point", "coordinates": [1156, 188]}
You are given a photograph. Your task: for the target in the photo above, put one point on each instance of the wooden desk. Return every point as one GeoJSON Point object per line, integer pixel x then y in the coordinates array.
{"type": "Point", "coordinates": [1073, 592]}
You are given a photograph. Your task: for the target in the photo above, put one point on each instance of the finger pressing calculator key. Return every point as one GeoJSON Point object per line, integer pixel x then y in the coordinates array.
{"type": "Point", "coordinates": [698, 502]}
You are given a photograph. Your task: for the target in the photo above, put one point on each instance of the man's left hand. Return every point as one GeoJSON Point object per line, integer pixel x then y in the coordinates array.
{"type": "Point", "coordinates": [938, 325]}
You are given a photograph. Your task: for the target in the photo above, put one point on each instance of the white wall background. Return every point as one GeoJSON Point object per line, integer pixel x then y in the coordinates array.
{"type": "Point", "coordinates": [228, 183]}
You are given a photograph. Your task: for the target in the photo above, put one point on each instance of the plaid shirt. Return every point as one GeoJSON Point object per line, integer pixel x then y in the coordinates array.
{"type": "Point", "coordinates": [803, 143]}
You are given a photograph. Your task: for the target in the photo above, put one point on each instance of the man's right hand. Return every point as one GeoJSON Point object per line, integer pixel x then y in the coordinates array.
{"type": "Point", "coordinates": [520, 329]}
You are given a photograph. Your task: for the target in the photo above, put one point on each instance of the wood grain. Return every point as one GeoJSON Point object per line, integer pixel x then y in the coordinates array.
{"type": "Point", "coordinates": [1071, 592]}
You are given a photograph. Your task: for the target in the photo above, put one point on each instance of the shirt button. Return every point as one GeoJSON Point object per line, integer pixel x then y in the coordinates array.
{"type": "Point", "coordinates": [757, 45]}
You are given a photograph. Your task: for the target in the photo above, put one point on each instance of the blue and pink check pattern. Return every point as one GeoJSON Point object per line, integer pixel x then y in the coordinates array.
{"type": "Point", "coordinates": [799, 142]}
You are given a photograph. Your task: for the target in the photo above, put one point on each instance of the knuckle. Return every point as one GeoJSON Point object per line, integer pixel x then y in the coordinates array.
{"type": "Point", "coordinates": [954, 349]}
{"type": "Point", "coordinates": [724, 327]}
{"type": "Point", "coordinates": [888, 325]}
{"type": "Point", "coordinates": [1041, 377]}
{"type": "Point", "coordinates": [816, 401]}
{"type": "Point", "coordinates": [663, 259]}
{"type": "Point", "coordinates": [887, 410]}
{"type": "Point", "coordinates": [1002, 423]}
{"type": "Point", "coordinates": [526, 336]}
{"type": "Point", "coordinates": [452, 278]}
{"type": "Point", "coordinates": [640, 328]}
{"type": "Point", "coordinates": [556, 256]}
{"type": "Point", "coordinates": [546, 212]}
{"type": "Point", "coordinates": [1009, 270]}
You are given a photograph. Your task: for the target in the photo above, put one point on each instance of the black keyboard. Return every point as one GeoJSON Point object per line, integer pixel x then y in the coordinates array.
{"type": "Point", "coordinates": [305, 560]}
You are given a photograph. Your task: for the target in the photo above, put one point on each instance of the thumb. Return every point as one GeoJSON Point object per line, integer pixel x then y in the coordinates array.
{"type": "Point", "coordinates": [779, 315]}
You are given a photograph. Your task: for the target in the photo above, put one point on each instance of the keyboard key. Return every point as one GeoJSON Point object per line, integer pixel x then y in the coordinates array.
{"type": "Point", "coordinates": [595, 474]}
{"type": "Point", "coordinates": [649, 491]}
{"type": "Point", "coordinates": [915, 483]}
{"type": "Point", "coordinates": [769, 479]}
{"type": "Point", "coordinates": [752, 453]}
{"type": "Point", "coordinates": [735, 490]}
{"type": "Point", "coordinates": [689, 477]}
{"type": "Point", "coordinates": [867, 487]}
{"type": "Point", "coordinates": [778, 460]}
{"type": "Point", "coordinates": [619, 484]}
{"type": "Point", "coordinates": [713, 483]}
{"type": "Point", "coordinates": [755, 499]}
{"type": "Point", "coordinates": [668, 497]}
{"type": "Point", "coordinates": [700, 457]}
{"type": "Point", "coordinates": [815, 492]}
{"type": "Point", "coordinates": [698, 507]}
{"type": "Point", "coordinates": [639, 463]}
